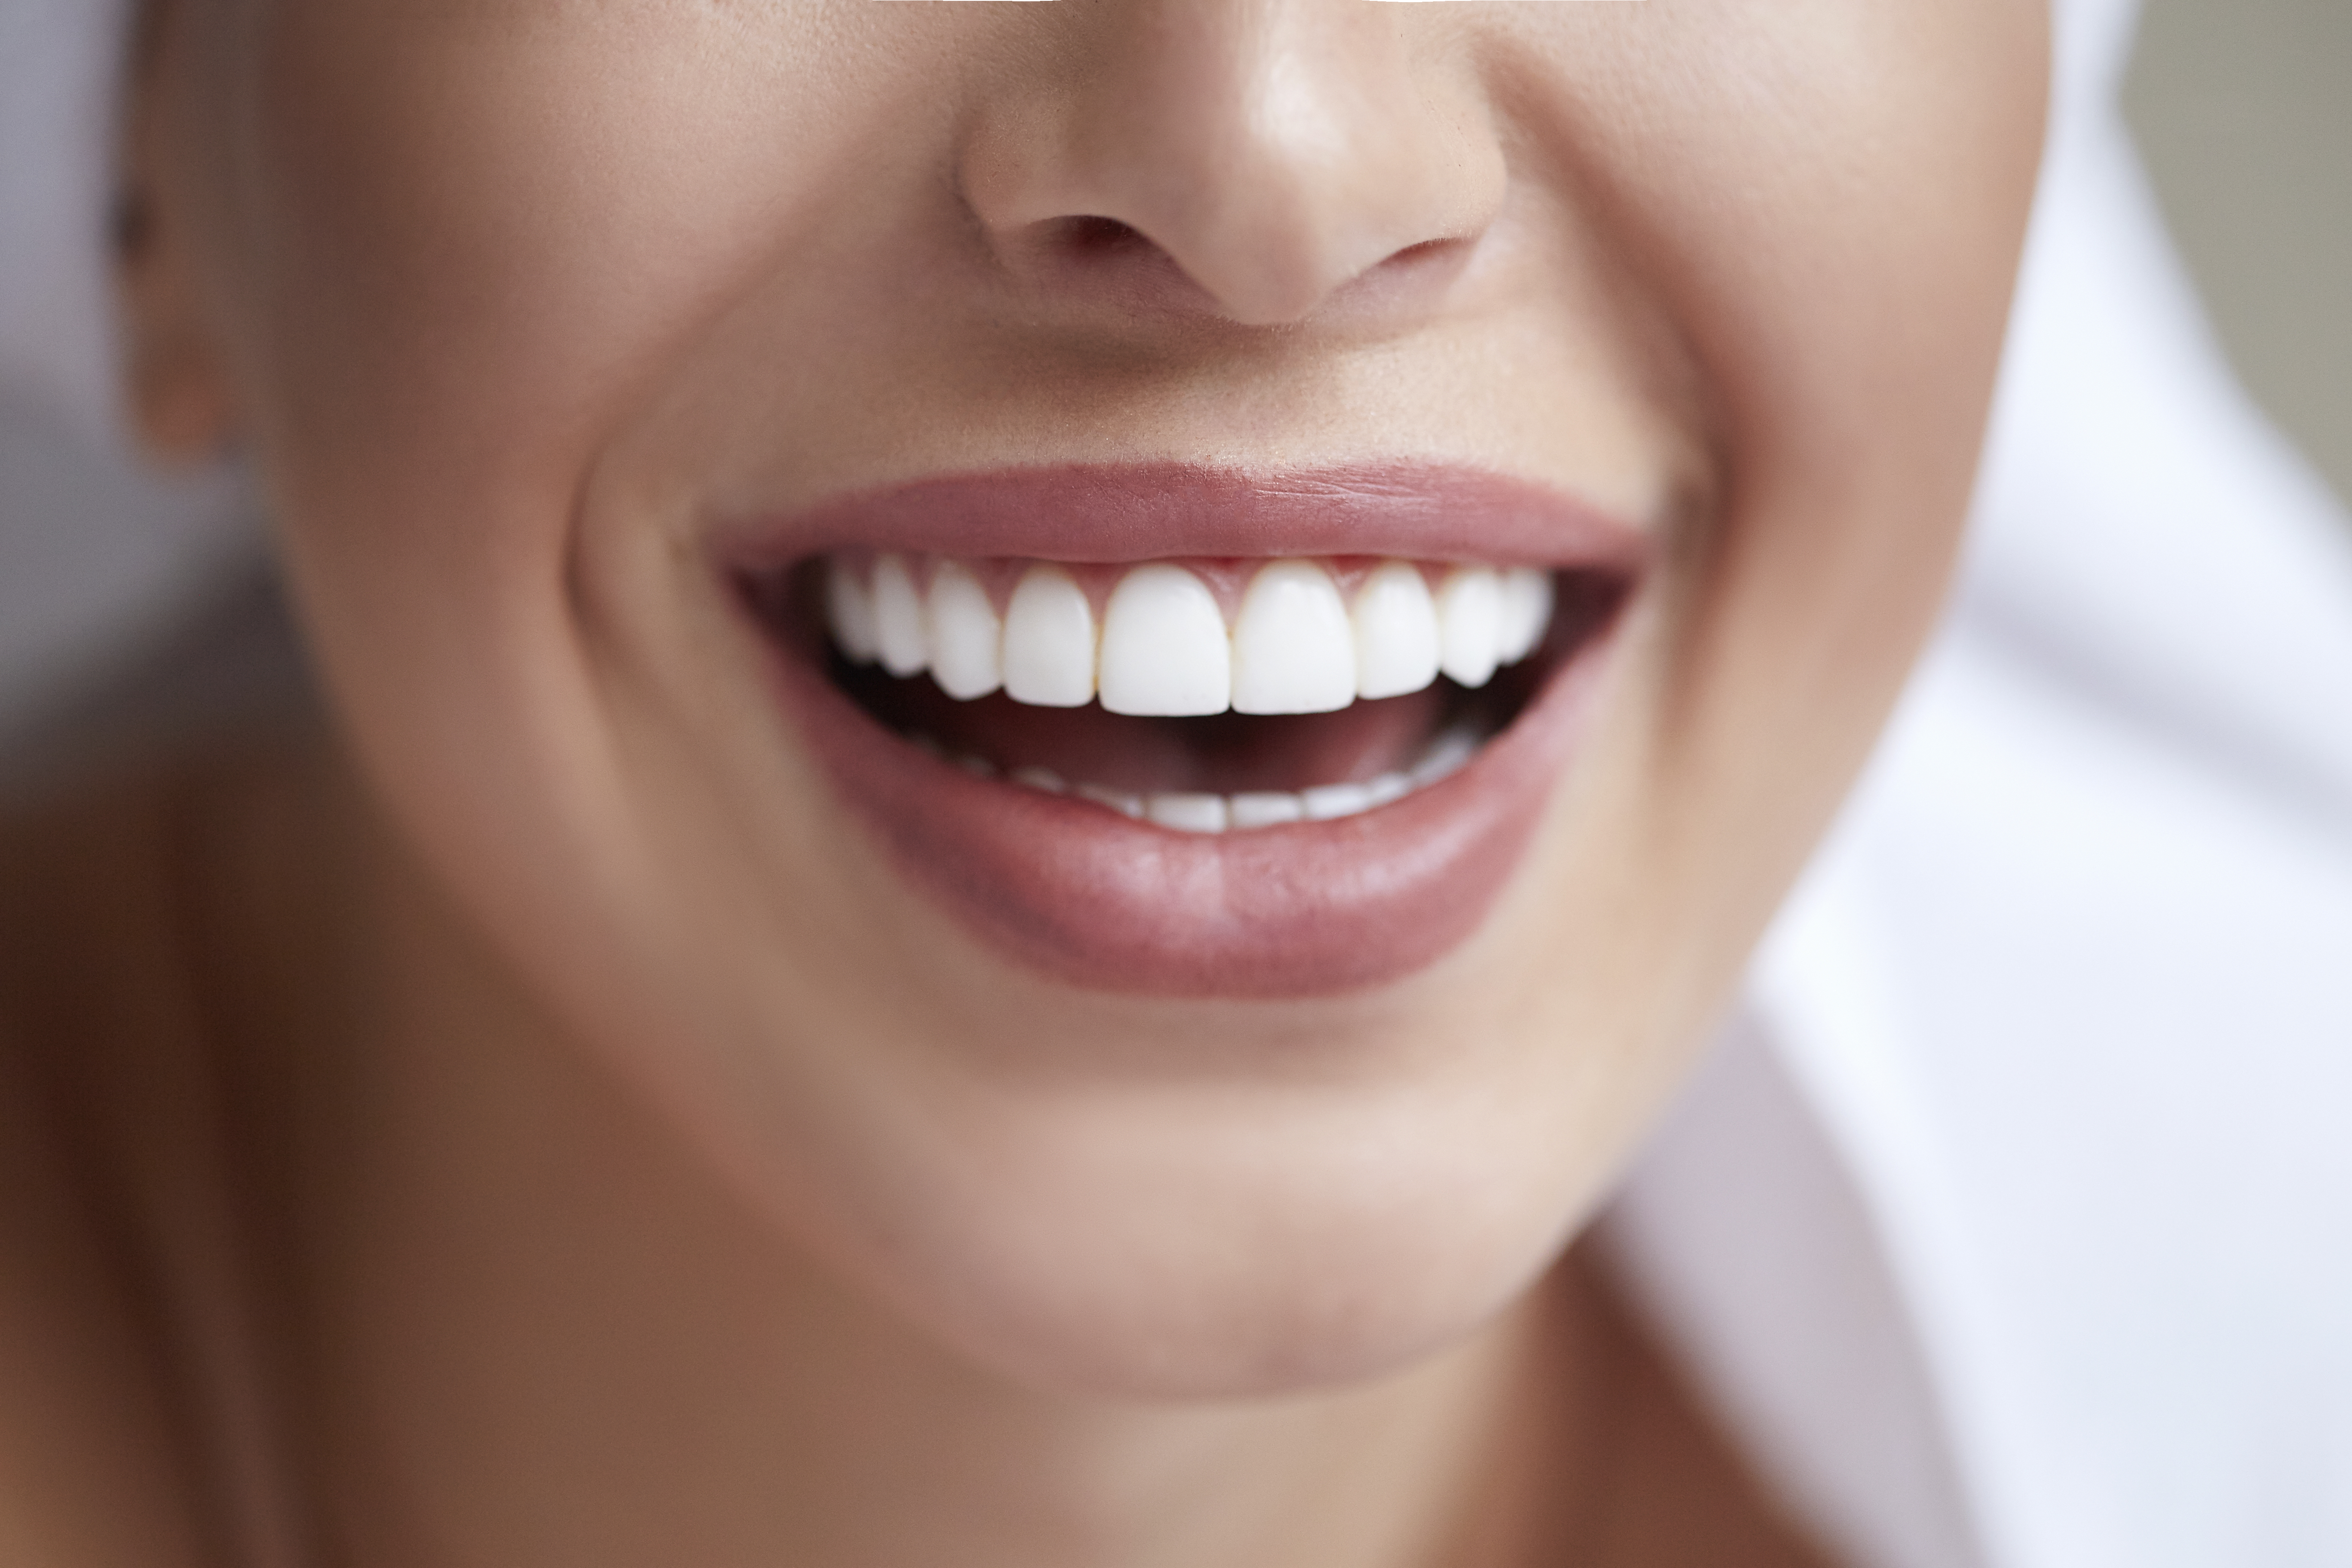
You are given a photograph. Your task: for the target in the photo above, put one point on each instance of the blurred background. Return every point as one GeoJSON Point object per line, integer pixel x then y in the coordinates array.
{"type": "Point", "coordinates": [2243, 112]}
{"type": "Point", "coordinates": [2242, 107]}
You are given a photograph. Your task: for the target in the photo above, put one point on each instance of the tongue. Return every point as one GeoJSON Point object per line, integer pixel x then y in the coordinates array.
{"type": "Point", "coordinates": [1229, 753]}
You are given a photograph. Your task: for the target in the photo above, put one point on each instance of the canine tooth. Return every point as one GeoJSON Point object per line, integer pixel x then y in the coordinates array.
{"type": "Point", "coordinates": [1044, 779]}
{"type": "Point", "coordinates": [1164, 648]}
{"type": "Point", "coordinates": [1188, 812]}
{"type": "Point", "coordinates": [1388, 787]}
{"type": "Point", "coordinates": [1118, 801]}
{"type": "Point", "coordinates": [966, 639]}
{"type": "Point", "coordinates": [1265, 809]}
{"type": "Point", "coordinates": [1325, 801]}
{"type": "Point", "coordinates": [898, 618]}
{"type": "Point", "coordinates": [1526, 611]}
{"type": "Point", "coordinates": [1294, 651]}
{"type": "Point", "coordinates": [849, 608]}
{"type": "Point", "coordinates": [1049, 641]}
{"type": "Point", "coordinates": [1469, 621]}
{"type": "Point", "coordinates": [1396, 632]}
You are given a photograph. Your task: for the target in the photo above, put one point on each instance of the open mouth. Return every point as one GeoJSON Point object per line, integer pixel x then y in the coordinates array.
{"type": "Point", "coordinates": [1204, 696]}
{"type": "Point", "coordinates": [1261, 773]}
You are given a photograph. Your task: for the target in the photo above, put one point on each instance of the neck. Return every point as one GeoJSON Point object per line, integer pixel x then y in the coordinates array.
{"type": "Point", "coordinates": [552, 1334]}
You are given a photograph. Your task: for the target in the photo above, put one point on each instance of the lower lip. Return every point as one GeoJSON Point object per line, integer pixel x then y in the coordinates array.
{"type": "Point", "coordinates": [1106, 903]}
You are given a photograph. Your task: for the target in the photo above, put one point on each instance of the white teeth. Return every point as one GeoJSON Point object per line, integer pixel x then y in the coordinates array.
{"type": "Point", "coordinates": [850, 609]}
{"type": "Point", "coordinates": [966, 639]}
{"type": "Point", "coordinates": [1267, 808]}
{"type": "Point", "coordinates": [899, 618]}
{"type": "Point", "coordinates": [1049, 641]}
{"type": "Point", "coordinates": [1526, 611]}
{"type": "Point", "coordinates": [1293, 650]}
{"type": "Point", "coordinates": [1164, 651]}
{"type": "Point", "coordinates": [1469, 624]}
{"type": "Point", "coordinates": [1119, 801]}
{"type": "Point", "coordinates": [1189, 812]}
{"type": "Point", "coordinates": [1396, 632]}
{"type": "Point", "coordinates": [1328, 801]}
{"type": "Point", "coordinates": [1164, 648]}
{"type": "Point", "coordinates": [1445, 758]}
{"type": "Point", "coordinates": [1325, 801]}
{"type": "Point", "coordinates": [1044, 779]}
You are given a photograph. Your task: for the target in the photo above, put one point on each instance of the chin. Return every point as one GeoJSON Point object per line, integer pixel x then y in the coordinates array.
{"type": "Point", "coordinates": [1228, 1251]}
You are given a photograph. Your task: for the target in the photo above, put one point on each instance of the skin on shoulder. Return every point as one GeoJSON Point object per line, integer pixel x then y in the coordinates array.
{"type": "Point", "coordinates": [161, 927]}
{"type": "Point", "coordinates": [704, 1124]}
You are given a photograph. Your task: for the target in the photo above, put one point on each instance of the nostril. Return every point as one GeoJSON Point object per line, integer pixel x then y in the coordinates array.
{"type": "Point", "coordinates": [1427, 251]}
{"type": "Point", "coordinates": [1088, 256]}
{"type": "Point", "coordinates": [1089, 236]}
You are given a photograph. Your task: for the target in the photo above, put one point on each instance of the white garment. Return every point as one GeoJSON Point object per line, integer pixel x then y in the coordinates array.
{"type": "Point", "coordinates": [2012, 1228]}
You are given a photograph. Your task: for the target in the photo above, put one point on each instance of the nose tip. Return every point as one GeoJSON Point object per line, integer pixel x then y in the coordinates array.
{"type": "Point", "coordinates": [1258, 155]}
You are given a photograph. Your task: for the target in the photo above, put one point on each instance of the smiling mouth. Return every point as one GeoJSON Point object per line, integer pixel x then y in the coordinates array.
{"type": "Point", "coordinates": [1197, 771]}
{"type": "Point", "coordinates": [1203, 696]}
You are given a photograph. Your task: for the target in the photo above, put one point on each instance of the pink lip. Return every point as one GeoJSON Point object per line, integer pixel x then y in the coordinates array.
{"type": "Point", "coordinates": [1102, 902]}
{"type": "Point", "coordinates": [1159, 511]}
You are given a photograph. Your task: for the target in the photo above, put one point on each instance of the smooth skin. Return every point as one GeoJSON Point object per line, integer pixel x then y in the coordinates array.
{"type": "Point", "coordinates": [586, 1148]}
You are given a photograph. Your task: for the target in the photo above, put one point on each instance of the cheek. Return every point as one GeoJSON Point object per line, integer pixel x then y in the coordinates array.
{"type": "Point", "coordinates": [1825, 211]}
{"type": "Point", "coordinates": [1830, 207]}
{"type": "Point", "coordinates": [466, 252]}
{"type": "Point", "coordinates": [458, 257]}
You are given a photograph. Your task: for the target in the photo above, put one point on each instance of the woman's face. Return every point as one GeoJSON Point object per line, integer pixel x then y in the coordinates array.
{"type": "Point", "coordinates": [580, 343]}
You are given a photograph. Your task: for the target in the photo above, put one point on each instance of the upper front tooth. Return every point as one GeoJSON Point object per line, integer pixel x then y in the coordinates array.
{"type": "Point", "coordinates": [1526, 611]}
{"type": "Point", "coordinates": [898, 618]}
{"type": "Point", "coordinates": [1164, 648]}
{"type": "Point", "coordinates": [1396, 632]}
{"type": "Point", "coordinates": [1294, 647]}
{"type": "Point", "coordinates": [1469, 621]}
{"type": "Point", "coordinates": [850, 609]}
{"type": "Point", "coordinates": [1294, 651]}
{"type": "Point", "coordinates": [1049, 641]}
{"type": "Point", "coordinates": [965, 636]}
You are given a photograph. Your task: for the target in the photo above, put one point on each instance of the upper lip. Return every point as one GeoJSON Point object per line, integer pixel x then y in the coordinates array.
{"type": "Point", "coordinates": [1123, 512]}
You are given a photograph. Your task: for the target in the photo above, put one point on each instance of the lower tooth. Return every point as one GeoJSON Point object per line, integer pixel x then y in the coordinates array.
{"type": "Point", "coordinates": [1118, 800]}
{"type": "Point", "coordinates": [1198, 812]}
{"type": "Point", "coordinates": [1452, 749]}
{"type": "Point", "coordinates": [1189, 812]}
{"type": "Point", "coordinates": [1268, 809]}
{"type": "Point", "coordinates": [1044, 779]}
{"type": "Point", "coordinates": [1326, 801]}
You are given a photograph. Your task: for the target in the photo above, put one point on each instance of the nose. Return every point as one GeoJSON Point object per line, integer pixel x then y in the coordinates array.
{"type": "Point", "coordinates": [1275, 152]}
